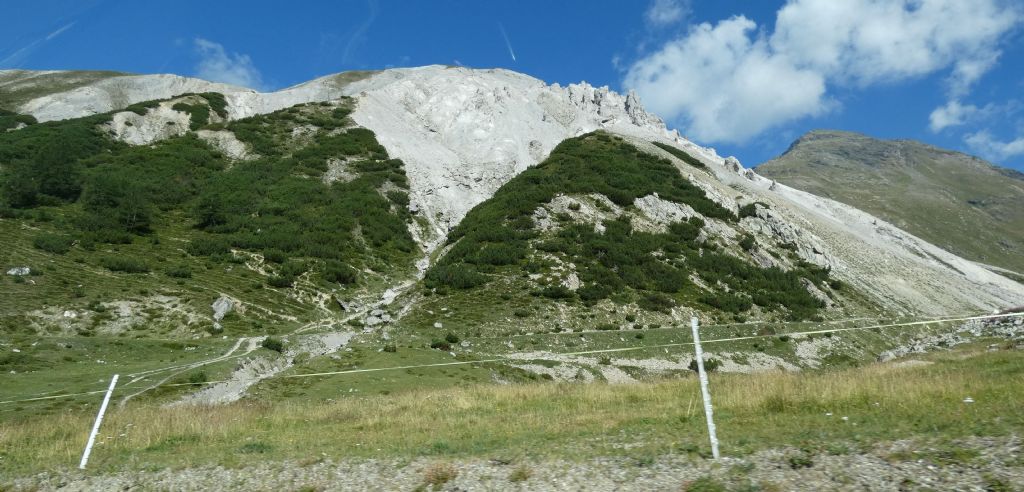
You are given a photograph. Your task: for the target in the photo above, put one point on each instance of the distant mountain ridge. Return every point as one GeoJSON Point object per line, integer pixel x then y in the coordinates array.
{"type": "Point", "coordinates": [959, 202]}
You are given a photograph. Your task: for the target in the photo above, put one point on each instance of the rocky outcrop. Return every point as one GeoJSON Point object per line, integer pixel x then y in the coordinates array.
{"type": "Point", "coordinates": [227, 143]}
{"type": "Point", "coordinates": [663, 212]}
{"type": "Point", "coordinates": [157, 124]}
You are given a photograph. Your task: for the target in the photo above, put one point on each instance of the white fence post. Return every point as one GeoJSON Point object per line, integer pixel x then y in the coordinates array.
{"type": "Point", "coordinates": [96, 426]}
{"type": "Point", "coordinates": [705, 393]}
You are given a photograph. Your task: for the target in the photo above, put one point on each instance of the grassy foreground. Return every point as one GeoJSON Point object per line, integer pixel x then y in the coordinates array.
{"type": "Point", "coordinates": [883, 402]}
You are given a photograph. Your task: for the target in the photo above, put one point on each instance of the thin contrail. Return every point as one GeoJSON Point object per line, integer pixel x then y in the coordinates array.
{"type": "Point", "coordinates": [507, 42]}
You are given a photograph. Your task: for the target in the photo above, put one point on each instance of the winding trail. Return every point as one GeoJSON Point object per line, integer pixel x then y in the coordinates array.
{"type": "Point", "coordinates": [253, 343]}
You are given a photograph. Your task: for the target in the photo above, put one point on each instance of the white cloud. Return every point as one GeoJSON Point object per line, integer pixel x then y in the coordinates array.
{"type": "Point", "coordinates": [665, 12]}
{"type": "Point", "coordinates": [992, 148]}
{"type": "Point", "coordinates": [217, 65]}
{"type": "Point", "coordinates": [951, 114]}
{"type": "Point", "coordinates": [730, 81]}
{"type": "Point", "coordinates": [725, 85]}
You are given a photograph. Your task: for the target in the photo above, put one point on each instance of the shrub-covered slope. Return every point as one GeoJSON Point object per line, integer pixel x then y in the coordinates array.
{"type": "Point", "coordinates": [602, 222]}
{"type": "Point", "coordinates": [316, 208]}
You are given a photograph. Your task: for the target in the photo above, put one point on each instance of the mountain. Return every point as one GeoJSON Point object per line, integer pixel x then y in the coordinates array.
{"type": "Point", "coordinates": [409, 216]}
{"type": "Point", "coordinates": [958, 202]}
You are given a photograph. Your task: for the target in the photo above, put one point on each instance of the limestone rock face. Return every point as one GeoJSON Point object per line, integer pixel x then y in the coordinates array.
{"type": "Point", "coordinates": [157, 124]}
{"type": "Point", "coordinates": [463, 133]}
{"type": "Point", "coordinates": [663, 212]}
{"type": "Point", "coordinates": [116, 93]}
{"type": "Point", "coordinates": [227, 143]}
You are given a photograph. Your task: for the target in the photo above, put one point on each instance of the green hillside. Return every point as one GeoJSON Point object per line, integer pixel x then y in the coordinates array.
{"type": "Point", "coordinates": [169, 227]}
{"type": "Point", "coordinates": [592, 253]}
{"type": "Point", "coordinates": [958, 202]}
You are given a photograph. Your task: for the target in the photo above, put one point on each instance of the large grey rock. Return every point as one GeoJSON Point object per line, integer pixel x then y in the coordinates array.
{"type": "Point", "coordinates": [221, 307]}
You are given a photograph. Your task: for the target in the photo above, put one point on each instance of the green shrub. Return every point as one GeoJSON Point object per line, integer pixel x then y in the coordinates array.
{"type": "Point", "coordinates": [654, 301]}
{"type": "Point", "coordinates": [710, 365]}
{"type": "Point", "coordinates": [800, 460]}
{"type": "Point", "coordinates": [271, 343]}
{"type": "Point", "coordinates": [593, 292]}
{"type": "Point", "coordinates": [293, 268]}
{"type": "Point", "coordinates": [217, 103]}
{"type": "Point", "coordinates": [338, 272]}
{"type": "Point", "coordinates": [52, 243]}
{"type": "Point", "coordinates": [607, 327]}
{"type": "Point", "coordinates": [681, 155]}
{"type": "Point", "coordinates": [750, 209]}
{"type": "Point", "coordinates": [557, 292]}
{"type": "Point", "coordinates": [442, 345]}
{"type": "Point", "coordinates": [274, 255]}
{"type": "Point", "coordinates": [199, 114]}
{"type": "Point", "coordinates": [9, 120]}
{"type": "Point", "coordinates": [208, 246]}
{"type": "Point", "coordinates": [705, 484]}
{"type": "Point", "coordinates": [280, 282]}
{"type": "Point", "coordinates": [124, 264]}
{"type": "Point", "coordinates": [451, 338]}
{"type": "Point", "coordinates": [178, 271]}
{"type": "Point", "coordinates": [748, 242]}
{"type": "Point", "coordinates": [459, 276]}
{"type": "Point", "coordinates": [141, 108]}
{"type": "Point", "coordinates": [197, 378]}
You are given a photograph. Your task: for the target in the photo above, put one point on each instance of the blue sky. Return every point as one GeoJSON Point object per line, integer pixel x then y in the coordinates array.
{"type": "Point", "coordinates": [744, 77]}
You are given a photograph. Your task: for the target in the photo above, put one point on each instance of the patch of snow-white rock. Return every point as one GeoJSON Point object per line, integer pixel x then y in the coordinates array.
{"type": "Point", "coordinates": [157, 124]}
{"type": "Point", "coordinates": [464, 133]}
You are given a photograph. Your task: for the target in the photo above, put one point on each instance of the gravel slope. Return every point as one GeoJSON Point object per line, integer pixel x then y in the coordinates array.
{"type": "Point", "coordinates": [888, 467]}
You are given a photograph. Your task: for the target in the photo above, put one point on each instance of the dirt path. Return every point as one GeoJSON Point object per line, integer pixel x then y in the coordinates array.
{"type": "Point", "coordinates": [253, 343]}
{"type": "Point", "coordinates": [256, 369]}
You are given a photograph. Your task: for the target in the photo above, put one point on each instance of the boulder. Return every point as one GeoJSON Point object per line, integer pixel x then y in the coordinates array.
{"type": "Point", "coordinates": [221, 307]}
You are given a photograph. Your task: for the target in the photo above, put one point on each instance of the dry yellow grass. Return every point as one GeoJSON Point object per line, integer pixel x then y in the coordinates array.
{"type": "Point", "coordinates": [883, 402]}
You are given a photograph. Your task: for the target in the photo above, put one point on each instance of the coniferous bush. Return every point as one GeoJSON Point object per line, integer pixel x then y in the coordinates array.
{"type": "Point", "coordinates": [124, 264]}
{"type": "Point", "coordinates": [52, 243]}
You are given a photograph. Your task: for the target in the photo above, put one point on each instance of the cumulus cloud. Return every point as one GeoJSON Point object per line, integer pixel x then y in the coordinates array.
{"type": "Point", "coordinates": [953, 113]}
{"type": "Point", "coordinates": [990, 147]}
{"type": "Point", "coordinates": [217, 65]}
{"type": "Point", "coordinates": [725, 82]}
{"type": "Point", "coordinates": [731, 81]}
{"type": "Point", "coordinates": [665, 12]}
